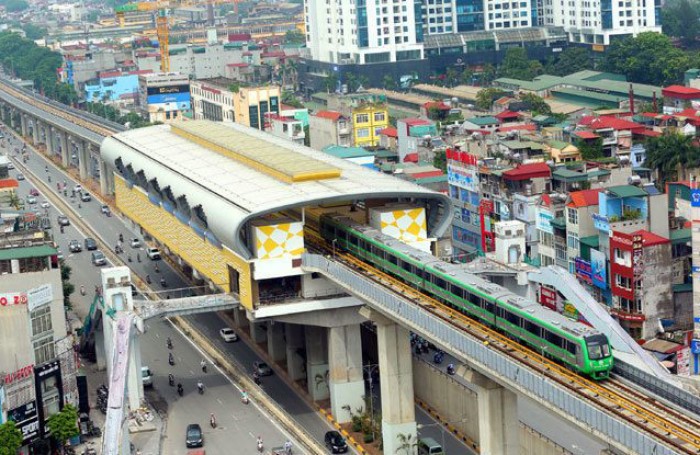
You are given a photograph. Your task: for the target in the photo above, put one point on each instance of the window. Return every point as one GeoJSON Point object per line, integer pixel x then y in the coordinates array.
{"type": "Point", "coordinates": [573, 216]}
{"type": "Point", "coordinates": [379, 116]}
{"type": "Point", "coordinates": [361, 118]}
{"type": "Point", "coordinates": [363, 132]}
{"type": "Point", "coordinates": [44, 350]}
{"type": "Point", "coordinates": [41, 321]}
{"type": "Point", "coordinates": [623, 282]}
{"type": "Point", "coordinates": [572, 240]}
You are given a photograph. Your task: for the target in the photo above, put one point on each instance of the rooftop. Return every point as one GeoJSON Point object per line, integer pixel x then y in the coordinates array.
{"type": "Point", "coordinates": [650, 239]}
{"type": "Point", "coordinates": [483, 121]}
{"type": "Point", "coordinates": [584, 198]}
{"type": "Point", "coordinates": [626, 191]}
{"type": "Point", "coordinates": [332, 115]}
{"type": "Point", "coordinates": [528, 171]}
{"type": "Point", "coordinates": [27, 252]}
{"type": "Point", "coordinates": [339, 151]}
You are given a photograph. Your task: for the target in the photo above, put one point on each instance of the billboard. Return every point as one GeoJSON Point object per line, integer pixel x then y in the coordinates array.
{"type": "Point", "coordinates": [170, 98]}
{"type": "Point", "coordinates": [599, 269]}
{"type": "Point", "coordinates": [544, 220]}
{"type": "Point", "coordinates": [48, 386]}
{"type": "Point", "coordinates": [463, 178]}
{"type": "Point", "coordinates": [26, 418]}
{"type": "Point", "coordinates": [583, 270]}
{"type": "Point", "coordinates": [168, 90]}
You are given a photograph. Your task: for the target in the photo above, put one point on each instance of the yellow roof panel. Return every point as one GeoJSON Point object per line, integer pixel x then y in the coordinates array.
{"type": "Point", "coordinates": [283, 164]}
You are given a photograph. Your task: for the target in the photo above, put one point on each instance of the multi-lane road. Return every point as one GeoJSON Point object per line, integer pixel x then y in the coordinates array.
{"type": "Point", "coordinates": [238, 424]}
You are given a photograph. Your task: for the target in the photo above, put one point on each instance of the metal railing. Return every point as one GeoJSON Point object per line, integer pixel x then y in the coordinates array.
{"type": "Point", "coordinates": [489, 361]}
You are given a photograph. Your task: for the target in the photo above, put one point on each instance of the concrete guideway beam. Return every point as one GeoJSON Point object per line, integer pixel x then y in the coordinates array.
{"type": "Point", "coordinates": [396, 381]}
{"type": "Point", "coordinates": [347, 388]}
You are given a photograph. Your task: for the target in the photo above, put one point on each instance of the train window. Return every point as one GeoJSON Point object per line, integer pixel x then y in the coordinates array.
{"type": "Point", "coordinates": [532, 328]}
{"type": "Point", "coordinates": [417, 271]}
{"type": "Point", "coordinates": [439, 282]}
{"type": "Point", "coordinates": [571, 347]}
{"type": "Point", "coordinates": [401, 264]}
{"type": "Point", "coordinates": [392, 259]}
{"type": "Point", "coordinates": [473, 298]}
{"type": "Point", "coordinates": [554, 338]}
{"type": "Point", "coordinates": [342, 235]}
{"type": "Point", "coordinates": [513, 318]}
{"type": "Point", "coordinates": [489, 306]}
{"type": "Point", "coordinates": [500, 312]}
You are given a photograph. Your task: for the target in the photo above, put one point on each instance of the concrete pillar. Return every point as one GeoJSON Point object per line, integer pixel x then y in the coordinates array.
{"type": "Point", "coordinates": [346, 385]}
{"type": "Point", "coordinates": [498, 416]}
{"type": "Point", "coordinates": [35, 132]}
{"type": "Point", "coordinates": [239, 319]}
{"type": "Point", "coordinates": [49, 140]}
{"type": "Point", "coordinates": [294, 335]}
{"type": "Point", "coordinates": [257, 332]}
{"type": "Point", "coordinates": [12, 119]}
{"type": "Point", "coordinates": [396, 380]}
{"type": "Point", "coordinates": [65, 152]}
{"type": "Point", "coordinates": [83, 158]}
{"type": "Point", "coordinates": [100, 349]}
{"type": "Point", "coordinates": [134, 378]}
{"type": "Point", "coordinates": [23, 124]}
{"type": "Point", "coordinates": [275, 341]}
{"type": "Point", "coordinates": [317, 373]}
{"type": "Point", "coordinates": [105, 189]}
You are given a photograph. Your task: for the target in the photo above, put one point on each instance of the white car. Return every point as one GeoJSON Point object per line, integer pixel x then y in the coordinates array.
{"type": "Point", "coordinates": [135, 243]}
{"type": "Point", "coordinates": [78, 188]}
{"type": "Point", "coordinates": [45, 205]}
{"type": "Point", "coordinates": [228, 335]}
{"type": "Point", "coordinates": [153, 254]}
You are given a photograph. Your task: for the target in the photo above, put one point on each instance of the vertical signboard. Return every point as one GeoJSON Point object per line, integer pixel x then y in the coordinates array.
{"type": "Point", "coordinates": [49, 392]}
{"type": "Point", "coordinates": [599, 269]}
{"type": "Point", "coordinates": [26, 418]}
{"type": "Point", "coordinates": [637, 258]}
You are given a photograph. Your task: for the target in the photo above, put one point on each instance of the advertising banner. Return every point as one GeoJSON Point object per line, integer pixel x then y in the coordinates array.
{"type": "Point", "coordinates": [463, 178]}
{"type": "Point", "coordinates": [583, 270]}
{"type": "Point", "coordinates": [40, 296]}
{"type": "Point", "coordinates": [599, 269]}
{"type": "Point", "coordinates": [178, 98]}
{"type": "Point", "coordinates": [27, 419]}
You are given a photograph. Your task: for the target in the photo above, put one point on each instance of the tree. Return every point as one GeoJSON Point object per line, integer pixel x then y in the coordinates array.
{"type": "Point", "coordinates": [440, 160]}
{"type": "Point", "coordinates": [486, 96]}
{"type": "Point", "coordinates": [466, 76]}
{"type": "Point", "coordinates": [33, 32]}
{"type": "Point", "coordinates": [64, 425]}
{"type": "Point", "coordinates": [648, 58]}
{"type": "Point", "coordinates": [388, 82]}
{"type": "Point", "coordinates": [294, 37]}
{"type": "Point", "coordinates": [68, 287]}
{"type": "Point", "coordinates": [671, 155]}
{"type": "Point", "coordinates": [488, 74]}
{"type": "Point", "coordinates": [590, 150]}
{"type": "Point", "coordinates": [516, 65]}
{"type": "Point", "coordinates": [65, 93]}
{"type": "Point", "coordinates": [451, 77]}
{"type": "Point", "coordinates": [407, 442]}
{"type": "Point", "coordinates": [289, 99]}
{"type": "Point", "coordinates": [538, 106]}
{"type": "Point", "coordinates": [680, 20]}
{"type": "Point", "coordinates": [13, 6]}
{"type": "Point", "coordinates": [571, 60]}
{"type": "Point", "coordinates": [10, 438]}
{"type": "Point", "coordinates": [330, 82]}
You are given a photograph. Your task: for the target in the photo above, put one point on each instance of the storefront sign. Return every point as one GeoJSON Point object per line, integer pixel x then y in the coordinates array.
{"type": "Point", "coordinates": [15, 298]}
{"type": "Point", "coordinates": [22, 373]}
{"type": "Point", "coordinates": [631, 317]}
{"type": "Point", "coordinates": [48, 385]}
{"type": "Point", "coordinates": [40, 296]}
{"type": "Point", "coordinates": [570, 311]}
{"type": "Point", "coordinates": [583, 270]}
{"type": "Point", "coordinates": [27, 420]}
{"type": "Point", "coordinates": [695, 198]}
{"type": "Point", "coordinates": [487, 205]}
{"type": "Point", "coordinates": [548, 297]}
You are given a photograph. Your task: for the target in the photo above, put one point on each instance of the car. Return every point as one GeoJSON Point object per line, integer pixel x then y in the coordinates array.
{"type": "Point", "coordinates": [262, 368]}
{"type": "Point", "coordinates": [85, 197]}
{"type": "Point", "coordinates": [146, 377]}
{"type": "Point", "coordinates": [34, 192]}
{"type": "Point", "coordinates": [75, 247]}
{"type": "Point", "coordinates": [31, 200]}
{"type": "Point", "coordinates": [135, 243]}
{"type": "Point", "coordinates": [10, 166]}
{"type": "Point", "coordinates": [45, 205]}
{"type": "Point", "coordinates": [78, 188]}
{"type": "Point", "coordinates": [59, 254]}
{"type": "Point", "coordinates": [104, 209]}
{"type": "Point", "coordinates": [228, 334]}
{"type": "Point", "coordinates": [153, 254]}
{"type": "Point", "coordinates": [20, 176]}
{"type": "Point", "coordinates": [63, 220]}
{"type": "Point", "coordinates": [335, 442]}
{"type": "Point", "coordinates": [98, 258]}
{"type": "Point", "coordinates": [90, 244]}
{"type": "Point", "coordinates": [193, 436]}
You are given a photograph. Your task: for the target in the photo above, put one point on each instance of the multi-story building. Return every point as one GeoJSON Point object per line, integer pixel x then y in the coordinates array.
{"type": "Point", "coordinates": [37, 359]}
{"type": "Point", "coordinates": [370, 31]}
{"type": "Point", "coordinates": [164, 97]}
{"type": "Point", "coordinates": [212, 99]}
{"type": "Point", "coordinates": [113, 87]}
{"type": "Point", "coordinates": [597, 22]}
{"type": "Point", "coordinates": [285, 127]}
{"type": "Point", "coordinates": [411, 133]}
{"type": "Point", "coordinates": [250, 104]}
{"type": "Point", "coordinates": [465, 192]}
{"type": "Point", "coordinates": [580, 208]}
{"type": "Point", "coordinates": [368, 120]}
{"type": "Point", "coordinates": [330, 128]}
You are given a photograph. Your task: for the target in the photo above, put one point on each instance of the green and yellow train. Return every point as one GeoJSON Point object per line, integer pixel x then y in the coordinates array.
{"type": "Point", "coordinates": [573, 344]}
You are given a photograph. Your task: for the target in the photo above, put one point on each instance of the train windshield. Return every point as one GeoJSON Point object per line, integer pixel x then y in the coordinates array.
{"type": "Point", "coordinates": [598, 347]}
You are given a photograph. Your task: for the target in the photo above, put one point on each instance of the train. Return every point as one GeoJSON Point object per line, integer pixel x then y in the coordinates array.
{"type": "Point", "coordinates": [573, 344]}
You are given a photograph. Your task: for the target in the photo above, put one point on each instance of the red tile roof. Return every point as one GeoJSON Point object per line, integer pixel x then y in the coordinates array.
{"type": "Point", "coordinates": [273, 54]}
{"type": "Point", "coordinates": [584, 198]}
{"type": "Point", "coordinates": [9, 183]}
{"type": "Point", "coordinates": [411, 158]}
{"type": "Point", "coordinates": [599, 123]}
{"type": "Point", "coordinates": [586, 135]}
{"type": "Point", "coordinates": [415, 121]}
{"type": "Point", "coordinates": [522, 127]}
{"type": "Point", "coordinates": [546, 200]}
{"type": "Point", "coordinates": [649, 133]}
{"type": "Point", "coordinates": [681, 91]}
{"type": "Point", "coordinates": [105, 74]}
{"type": "Point", "coordinates": [237, 65]}
{"type": "Point", "coordinates": [528, 171]}
{"type": "Point", "coordinates": [332, 115]}
{"type": "Point", "coordinates": [390, 132]}
{"type": "Point", "coordinates": [650, 239]}
{"type": "Point", "coordinates": [426, 174]}
{"type": "Point", "coordinates": [507, 115]}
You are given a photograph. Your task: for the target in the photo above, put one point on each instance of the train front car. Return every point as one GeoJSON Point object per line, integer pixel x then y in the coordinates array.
{"type": "Point", "coordinates": [599, 357]}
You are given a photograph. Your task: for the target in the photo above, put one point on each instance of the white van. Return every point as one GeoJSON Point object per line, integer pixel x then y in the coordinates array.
{"type": "Point", "coordinates": [146, 377]}
{"type": "Point", "coordinates": [429, 446]}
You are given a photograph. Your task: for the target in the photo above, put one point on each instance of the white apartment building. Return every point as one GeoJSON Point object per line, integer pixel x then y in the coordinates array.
{"type": "Point", "coordinates": [364, 31]}
{"type": "Point", "coordinates": [597, 21]}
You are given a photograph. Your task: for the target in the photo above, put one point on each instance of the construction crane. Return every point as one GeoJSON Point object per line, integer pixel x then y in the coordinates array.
{"type": "Point", "coordinates": [163, 33]}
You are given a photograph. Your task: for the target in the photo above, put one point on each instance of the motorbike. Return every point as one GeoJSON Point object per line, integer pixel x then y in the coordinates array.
{"type": "Point", "coordinates": [171, 380]}
{"type": "Point", "coordinates": [450, 369]}
{"type": "Point", "coordinates": [244, 398]}
{"type": "Point", "coordinates": [148, 279]}
{"type": "Point", "coordinates": [256, 379]}
{"type": "Point", "coordinates": [200, 388]}
{"type": "Point", "coordinates": [171, 359]}
{"type": "Point", "coordinates": [204, 368]}
{"type": "Point", "coordinates": [438, 357]}
{"type": "Point", "coordinates": [169, 341]}
{"type": "Point", "coordinates": [260, 446]}
{"type": "Point", "coordinates": [212, 422]}
{"type": "Point", "coordinates": [179, 389]}
{"type": "Point", "coordinates": [163, 283]}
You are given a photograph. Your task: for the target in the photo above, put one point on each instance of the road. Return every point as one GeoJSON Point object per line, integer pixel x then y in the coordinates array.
{"type": "Point", "coordinates": [221, 398]}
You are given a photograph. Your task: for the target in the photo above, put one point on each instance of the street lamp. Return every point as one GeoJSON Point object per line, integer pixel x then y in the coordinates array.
{"type": "Point", "coordinates": [370, 370]}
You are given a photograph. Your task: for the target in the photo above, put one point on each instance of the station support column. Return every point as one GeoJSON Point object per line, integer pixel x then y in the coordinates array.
{"type": "Point", "coordinates": [105, 188]}
{"type": "Point", "coordinates": [275, 341]}
{"type": "Point", "coordinates": [35, 132]}
{"type": "Point", "coordinates": [83, 157]}
{"type": "Point", "coordinates": [49, 140]}
{"type": "Point", "coordinates": [65, 153]}
{"type": "Point", "coordinates": [257, 331]}
{"type": "Point", "coordinates": [347, 387]}
{"type": "Point", "coordinates": [13, 124]}
{"type": "Point", "coordinates": [294, 335]}
{"type": "Point", "coordinates": [498, 416]}
{"type": "Point", "coordinates": [23, 125]}
{"type": "Point", "coordinates": [317, 373]}
{"type": "Point", "coordinates": [396, 380]}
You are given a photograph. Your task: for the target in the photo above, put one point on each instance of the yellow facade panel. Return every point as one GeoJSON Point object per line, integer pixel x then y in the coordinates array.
{"type": "Point", "coordinates": [279, 240]}
{"type": "Point", "coordinates": [207, 259]}
{"type": "Point", "coordinates": [405, 224]}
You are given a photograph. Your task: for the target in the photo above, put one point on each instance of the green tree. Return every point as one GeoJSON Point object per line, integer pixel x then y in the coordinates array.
{"type": "Point", "coordinates": [307, 136]}
{"type": "Point", "coordinates": [294, 37]}
{"type": "Point", "coordinates": [64, 425]}
{"type": "Point", "coordinates": [33, 32]}
{"type": "Point", "coordinates": [68, 287]}
{"type": "Point", "coordinates": [351, 81]}
{"type": "Point", "coordinates": [290, 99]}
{"type": "Point", "coordinates": [388, 82]}
{"type": "Point", "coordinates": [590, 150]}
{"type": "Point", "coordinates": [537, 104]}
{"type": "Point", "coordinates": [648, 58]}
{"type": "Point", "coordinates": [571, 60]}
{"type": "Point", "coordinates": [671, 155]}
{"type": "Point", "coordinates": [680, 20]}
{"type": "Point", "coordinates": [13, 6]}
{"type": "Point", "coordinates": [440, 160]}
{"type": "Point", "coordinates": [66, 94]}
{"type": "Point", "coordinates": [486, 96]}
{"type": "Point", "coordinates": [451, 77]}
{"type": "Point", "coordinates": [10, 438]}
{"type": "Point", "coordinates": [516, 65]}
{"type": "Point", "coordinates": [466, 76]}
{"type": "Point", "coordinates": [488, 74]}
{"type": "Point", "coordinates": [330, 82]}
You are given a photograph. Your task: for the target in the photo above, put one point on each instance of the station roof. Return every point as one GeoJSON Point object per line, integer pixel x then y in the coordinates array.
{"type": "Point", "coordinates": [238, 174]}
